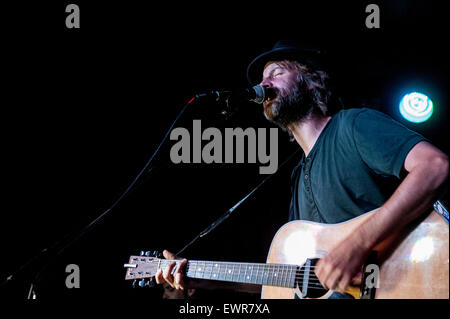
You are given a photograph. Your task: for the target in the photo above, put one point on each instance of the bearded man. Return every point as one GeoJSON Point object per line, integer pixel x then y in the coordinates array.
{"type": "Point", "coordinates": [349, 156]}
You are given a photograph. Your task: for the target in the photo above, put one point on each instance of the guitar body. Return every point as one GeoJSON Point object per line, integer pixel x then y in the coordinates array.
{"type": "Point", "coordinates": [412, 264]}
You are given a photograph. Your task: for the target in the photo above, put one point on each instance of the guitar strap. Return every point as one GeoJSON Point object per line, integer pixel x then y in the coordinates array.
{"type": "Point", "coordinates": [441, 210]}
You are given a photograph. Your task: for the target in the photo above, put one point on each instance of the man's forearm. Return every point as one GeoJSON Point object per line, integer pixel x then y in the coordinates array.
{"type": "Point", "coordinates": [412, 198]}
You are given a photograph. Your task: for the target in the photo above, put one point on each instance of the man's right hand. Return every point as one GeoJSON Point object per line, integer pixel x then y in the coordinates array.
{"type": "Point", "coordinates": [165, 275]}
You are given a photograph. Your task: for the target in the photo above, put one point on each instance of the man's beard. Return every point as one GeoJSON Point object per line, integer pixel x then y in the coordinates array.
{"type": "Point", "coordinates": [291, 107]}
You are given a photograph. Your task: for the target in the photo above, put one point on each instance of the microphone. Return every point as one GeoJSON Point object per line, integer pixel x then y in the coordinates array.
{"type": "Point", "coordinates": [257, 94]}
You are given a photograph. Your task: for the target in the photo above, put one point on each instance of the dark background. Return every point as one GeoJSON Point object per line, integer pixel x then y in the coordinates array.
{"type": "Point", "coordinates": [84, 110]}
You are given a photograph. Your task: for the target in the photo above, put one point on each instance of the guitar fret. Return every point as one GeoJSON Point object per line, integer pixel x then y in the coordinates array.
{"type": "Point", "coordinates": [232, 272]}
{"type": "Point", "coordinates": [214, 271]}
{"type": "Point", "coordinates": [249, 276]}
{"type": "Point", "coordinates": [266, 275]}
{"type": "Point", "coordinates": [276, 275]}
{"type": "Point", "coordinates": [275, 282]}
{"type": "Point", "coordinates": [272, 275]}
{"type": "Point", "coordinates": [262, 275]}
{"type": "Point", "coordinates": [288, 283]}
{"type": "Point", "coordinates": [207, 270]}
{"type": "Point", "coordinates": [239, 272]}
{"type": "Point", "coordinates": [245, 278]}
{"type": "Point", "coordinates": [285, 276]}
{"type": "Point", "coordinates": [197, 273]}
{"type": "Point", "coordinates": [220, 272]}
{"type": "Point", "coordinates": [293, 272]}
{"type": "Point", "coordinates": [200, 269]}
{"type": "Point", "coordinates": [257, 271]}
{"type": "Point", "coordinates": [195, 269]}
{"type": "Point", "coordinates": [291, 276]}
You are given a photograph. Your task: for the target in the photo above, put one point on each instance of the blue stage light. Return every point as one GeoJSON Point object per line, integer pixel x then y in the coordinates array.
{"type": "Point", "coordinates": [416, 107]}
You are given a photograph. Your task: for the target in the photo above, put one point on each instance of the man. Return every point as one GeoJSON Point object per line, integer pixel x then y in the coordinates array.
{"type": "Point", "coordinates": [349, 158]}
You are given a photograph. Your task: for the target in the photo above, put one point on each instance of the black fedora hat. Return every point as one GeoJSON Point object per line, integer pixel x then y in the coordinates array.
{"type": "Point", "coordinates": [307, 54]}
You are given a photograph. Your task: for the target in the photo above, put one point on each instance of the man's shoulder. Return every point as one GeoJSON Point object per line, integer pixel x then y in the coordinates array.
{"type": "Point", "coordinates": [345, 119]}
{"type": "Point", "coordinates": [348, 116]}
{"type": "Point", "coordinates": [351, 113]}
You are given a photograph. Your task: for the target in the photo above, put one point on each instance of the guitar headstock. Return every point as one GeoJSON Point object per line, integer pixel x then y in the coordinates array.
{"type": "Point", "coordinates": [143, 266]}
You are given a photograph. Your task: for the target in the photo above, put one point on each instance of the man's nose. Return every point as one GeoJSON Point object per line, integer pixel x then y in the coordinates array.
{"type": "Point", "coordinates": [266, 82]}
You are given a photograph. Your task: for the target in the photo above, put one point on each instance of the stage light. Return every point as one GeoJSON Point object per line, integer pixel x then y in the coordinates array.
{"type": "Point", "coordinates": [416, 107]}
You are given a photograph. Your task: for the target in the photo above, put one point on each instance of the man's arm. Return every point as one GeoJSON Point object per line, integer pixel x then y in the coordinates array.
{"type": "Point", "coordinates": [427, 169]}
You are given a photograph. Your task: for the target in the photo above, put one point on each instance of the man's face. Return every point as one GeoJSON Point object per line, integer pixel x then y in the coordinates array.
{"type": "Point", "coordinates": [279, 78]}
{"type": "Point", "coordinates": [285, 105]}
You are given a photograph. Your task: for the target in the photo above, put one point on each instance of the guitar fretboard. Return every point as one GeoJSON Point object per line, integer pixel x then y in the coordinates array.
{"type": "Point", "coordinates": [280, 275]}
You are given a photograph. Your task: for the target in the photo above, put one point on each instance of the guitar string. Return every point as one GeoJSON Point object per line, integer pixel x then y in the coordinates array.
{"type": "Point", "coordinates": [194, 263]}
{"type": "Point", "coordinates": [298, 272]}
{"type": "Point", "coordinates": [281, 268]}
{"type": "Point", "coordinates": [298, 275]}
{"type": "Point", "coordinates": [312, 283]}
{"type": "Point", "coordinates": [207, 275]}
{"type": "Point", "coordinates": [270, 266]}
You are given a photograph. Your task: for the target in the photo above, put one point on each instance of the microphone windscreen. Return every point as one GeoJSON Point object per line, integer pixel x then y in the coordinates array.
{"type": "Point", "coordinates": [260, 94]}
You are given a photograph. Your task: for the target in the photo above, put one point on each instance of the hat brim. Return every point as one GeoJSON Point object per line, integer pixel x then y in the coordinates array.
{"type": "Point", "coordinates": [256, 67]}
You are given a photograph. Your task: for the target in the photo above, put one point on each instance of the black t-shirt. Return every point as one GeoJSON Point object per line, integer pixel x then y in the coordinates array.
{"type": "Point", "coordinates": [353, 167]}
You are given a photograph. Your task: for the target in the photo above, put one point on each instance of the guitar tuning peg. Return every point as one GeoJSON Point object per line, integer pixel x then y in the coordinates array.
{"type": "Point", "coordinates": [156, 253]}
{"type": "Point", "coordinates": [148, 253]}
{"type": "Point", "coordinates": [151, 282]}
{"type": "Point", "coordinates": [134, 283]}
{"type": "Point", "coordinates": [142, 283]}
{"type": "Point", "coordinates": [142, 253]}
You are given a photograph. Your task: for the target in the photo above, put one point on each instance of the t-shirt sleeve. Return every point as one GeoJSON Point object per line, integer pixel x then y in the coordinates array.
{"type": "Point", "coordinates": [382, 142]}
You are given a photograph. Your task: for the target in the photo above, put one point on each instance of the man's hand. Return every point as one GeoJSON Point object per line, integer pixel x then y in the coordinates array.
{"type": "Point", "coordinates": [165, 275]}
{"type": "Point", "coordinates": [341, 265]}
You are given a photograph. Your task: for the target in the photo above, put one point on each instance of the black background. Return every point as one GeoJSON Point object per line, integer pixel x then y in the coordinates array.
{"type": "Point", "coordinates": [84, 109]}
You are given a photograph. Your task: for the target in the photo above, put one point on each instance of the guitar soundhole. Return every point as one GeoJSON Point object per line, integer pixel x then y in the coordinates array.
{"type": "Point", "coordinates": [307, 281]}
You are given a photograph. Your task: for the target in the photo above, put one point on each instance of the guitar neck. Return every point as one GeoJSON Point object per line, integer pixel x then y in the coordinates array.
{"type": "Point", "coordinates": [281, 275]}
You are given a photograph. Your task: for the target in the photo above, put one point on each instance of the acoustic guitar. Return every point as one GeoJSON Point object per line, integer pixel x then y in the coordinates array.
{"type": "Point", "coordinates": [411, 264]}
